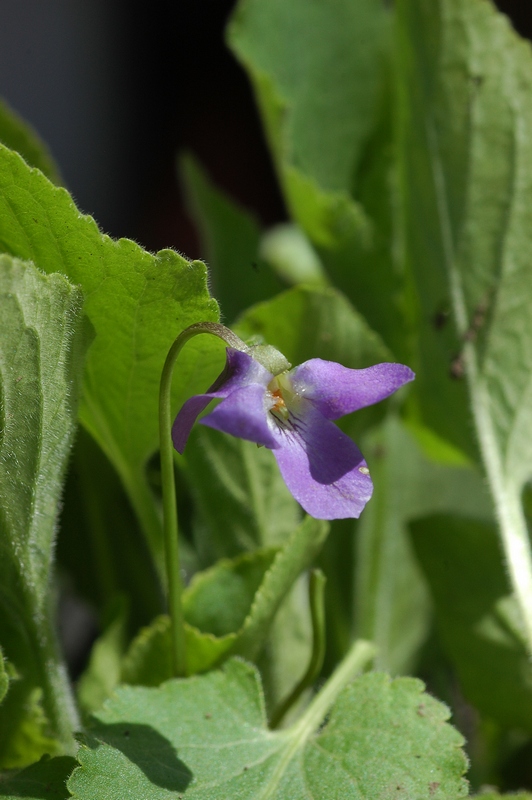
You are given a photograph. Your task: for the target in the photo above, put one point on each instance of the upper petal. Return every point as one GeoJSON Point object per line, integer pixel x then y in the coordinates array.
{"type": "Point", "coordinates": [322, 467]}
{"type": "Point", "coordinates": [337, 390]}
{"type": "Point", "coordinates": [240, 370]}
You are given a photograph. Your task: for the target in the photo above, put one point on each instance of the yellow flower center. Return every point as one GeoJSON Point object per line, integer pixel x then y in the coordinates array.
{"type": "Point", "coordinates": [282, 395]}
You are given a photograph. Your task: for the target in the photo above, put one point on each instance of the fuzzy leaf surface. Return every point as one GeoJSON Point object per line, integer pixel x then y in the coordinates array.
{"type": "Point", "coordinates": [206, 738]}
{"type": "Point", "coordinates": [465, 112]}
{"type": "Point", "coordinates": [41, 360]}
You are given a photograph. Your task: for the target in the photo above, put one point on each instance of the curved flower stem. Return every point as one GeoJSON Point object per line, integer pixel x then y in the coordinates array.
{"type": "Point", "coordinates": [170, 523]}
{"type": "Point", "coordinates": [317, 613]}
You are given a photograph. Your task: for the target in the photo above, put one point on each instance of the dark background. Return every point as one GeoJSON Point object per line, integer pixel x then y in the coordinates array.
{"type": "Point", "coordinates": [118, 87]}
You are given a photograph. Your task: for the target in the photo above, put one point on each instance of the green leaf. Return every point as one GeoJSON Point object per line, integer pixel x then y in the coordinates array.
{"type": "Point", "coordinates": [288, 251]}
{"type": "Point", "coordinates": [103, 671]}
{"type": "Point", "coordinates": [322, 61]}
{"type": "Point", "coordinates": [41, 359]}
{"type": "Point", "coordinates": [137, 303]}
{"type": "Point", "coordinates": [497, 796]}
{"type": "Point", "coordinates": [391, 602]}
{"type": "Point", "coordinates": [233, 605]}
{"type": "Point", "coordinates": [45, 780]}
{"type": "Point", "coordinates": [241, 500]}
{"type": "Point", "coordinates": [100, 542]}
{"type": "Point", "coordinates": [218, 600]}
{"type": "Point", "coordinates": [4, 677]}
{"type": "Point", "coordinates": [322, 80]}
{"type": "Point", "coordinates": [206, 738]}
{"type": "Point", "coordinates": [148, 661]}
{"type": "Point", "coordinates": [466, 161]}
{"type": "Point", "coordinates": [230, 244]}
{"type": "Point", "coordinates": [462, 562]}
{"type": "Point", "coordinates": [16, 134]}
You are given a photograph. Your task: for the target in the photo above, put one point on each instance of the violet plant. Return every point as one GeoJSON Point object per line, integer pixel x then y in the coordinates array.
{"type": "Point", "coordinates": [278, 613]}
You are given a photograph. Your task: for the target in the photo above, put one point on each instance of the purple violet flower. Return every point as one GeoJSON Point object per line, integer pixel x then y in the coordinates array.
{"type": "Point", "coordinates": [291, 414]}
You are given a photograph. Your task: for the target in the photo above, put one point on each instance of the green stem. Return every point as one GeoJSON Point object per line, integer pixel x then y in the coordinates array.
{"type": "Point", "coordinates": [356, 659]}
{"type": "Point", "coordinates": [296, 736]}
{"type": "Point", "coordinates": [317, 614]}
{"type": "Point", "coordinates": [170, 523]}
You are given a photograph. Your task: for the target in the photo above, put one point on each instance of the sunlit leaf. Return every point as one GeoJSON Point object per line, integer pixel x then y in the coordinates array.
{"type": "Point", "coordinates": [206, 738]}
{"type": "Point", "coordinates": [465, 112]}
{"type": "Point", "coordinates": [41, 360]}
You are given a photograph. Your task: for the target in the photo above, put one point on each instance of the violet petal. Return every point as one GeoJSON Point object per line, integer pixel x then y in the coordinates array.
{"type": "Point", "coordinates": [337, 390]}
{"type": "Point", "coordinates": [322, 467]}
{"type": "Point", "coordinates": [244, 414]}
{"type": "Point", "coordinates": [186, 418]}
{"type": "Point", "coordinates": [240, 370]}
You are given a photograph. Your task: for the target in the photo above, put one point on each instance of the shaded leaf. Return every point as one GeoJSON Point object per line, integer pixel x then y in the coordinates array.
{"type": "Point", "coordinates": [103, 671]}
{"type": "Point", "coordinates": [4, 677]}
{"type": "Point", "coordinates": [253, 586]}
{"type": "Point", "coordinates": [45, 780]}
{"type": "Point", "coordinates": [218, 600]}
{"type": "Point", "coordinates": [241, 500]}
{"type": "Point", "coordinates": [206, 738]}
{"type": "Point", "coordinates": [100, 543]}
{"type": "Point", "coordinates": [462, 562]}
{"type": "Point", "coordinates": [230, 244]}
{"type": "Point", "coordinates": [391, 604]}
